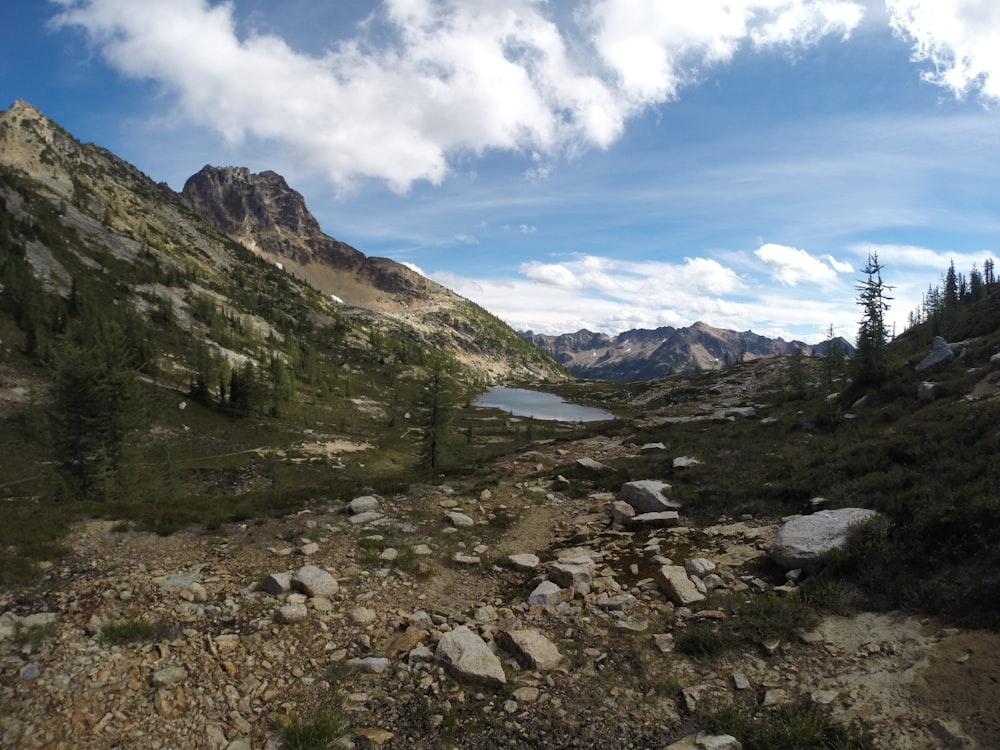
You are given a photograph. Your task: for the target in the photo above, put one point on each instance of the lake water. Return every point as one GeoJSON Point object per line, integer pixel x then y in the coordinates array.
{"type": "Point", "coordinates": [524, 403]}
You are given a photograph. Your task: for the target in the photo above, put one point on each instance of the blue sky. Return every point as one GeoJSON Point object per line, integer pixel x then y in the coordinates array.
{"type": "Point", "coordinates": [601, 164]}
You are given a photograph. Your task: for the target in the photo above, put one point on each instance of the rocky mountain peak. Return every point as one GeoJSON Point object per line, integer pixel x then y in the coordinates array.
{"type": "Point", "coordinates": [263, 212]}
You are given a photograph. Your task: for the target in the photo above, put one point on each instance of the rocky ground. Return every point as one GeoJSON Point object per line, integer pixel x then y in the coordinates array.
{"type": "Point", "coordinates": [411, 613]}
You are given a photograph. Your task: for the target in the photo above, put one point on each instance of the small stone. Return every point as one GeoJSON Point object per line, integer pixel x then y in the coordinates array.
{"type": "Point", "coordinates": [363, 616]}
{"type": "Point", "coordinates": [524, 563]}
{"type": "Point", "coordinates": [460, 519]}
{"type": "Point", "coordinates": [29, 672]}
{"type": "Point", "coordinates": [740, 681]}
{"type": "Point", "coordinates": [545, 594]}
{"type": "Point", "coordinates": [374, 735]}
{"type": "Point", "coordinates": [277, 584]}
{"type": "Point", "coordinates": [168, 676]}
{"type": "Point", "coordinates": [526, 694]}
{"type": "Point", "coordinates": [314, 581]}
{"type": "Point", "coordinates": [370, 664]}
{"type": "Point", "coordinates": [291, 613]}
{"type": "Point", "coordinates": [364, 504]}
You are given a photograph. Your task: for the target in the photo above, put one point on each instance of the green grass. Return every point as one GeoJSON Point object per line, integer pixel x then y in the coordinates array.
{"type": "Point", "coordinates": [797, 726]}
{"type": "Point", "coordinates": [134, 630]}
{"type": "Point", "coordinates": [703, 642]}
{"type": "Point", "coordinates": [33, 637]}
{"type": "Point", "coordinates": [316, 729]}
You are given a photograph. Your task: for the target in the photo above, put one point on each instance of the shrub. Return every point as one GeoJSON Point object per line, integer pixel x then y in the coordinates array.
{"type": "Point", "coordinates": [133, 630]}
{"type": "Point", "coordinates": [318, 729]}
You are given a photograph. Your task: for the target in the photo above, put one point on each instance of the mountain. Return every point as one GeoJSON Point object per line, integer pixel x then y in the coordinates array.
{"type": "Point", "coordinates": [109, 210]}
{"type": "Point", "coordinates": [642, 354]}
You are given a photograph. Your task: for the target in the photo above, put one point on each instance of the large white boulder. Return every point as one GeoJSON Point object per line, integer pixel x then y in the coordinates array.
{"type": "Point", "coordinates": [801, 541]}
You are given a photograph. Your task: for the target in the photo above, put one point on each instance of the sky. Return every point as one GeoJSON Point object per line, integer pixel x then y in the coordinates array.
{"type": "Point", "coordinates": [598, 164]}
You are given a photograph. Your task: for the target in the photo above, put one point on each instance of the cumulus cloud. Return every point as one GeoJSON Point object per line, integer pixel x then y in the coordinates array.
{"type": "Point", "coordinates": [532, 302]}
{"type": "Point", "coordinates": [960, 38]}
{"type": "Point", "coordinates": [554, 274]}
{"type": "Point", "coordinates": [424, 82]}
{"type": "Point", "coordinates": [790, 265]}
{"type": "Point", "coordinates": [646, 284]}
{"type": "Point", "coordinates": [655, 48]}
{"type": "Point", "coordinates": [414, 267]}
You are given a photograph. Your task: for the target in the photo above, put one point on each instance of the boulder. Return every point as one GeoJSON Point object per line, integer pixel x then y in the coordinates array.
{"type": "Point", "coordinates": [277, 584]}
{"type": "Point", "coordinates": [469, 658]}
{"type": "Point", "coordinates": [662, 520]}
{"type": "Point", "coordinates": [621, 512]}
{"type": "Point", "coordinates": [699, 566]}
{"type": "Point", "coordinates": [460, 519]}
{"type": "Point", "coordinates": [545, 594]}
{"type": "Point", "coordinates": [683, 462]}
{"type": "Point", "coordinates": [677, 587]}
{"type": "Point", "coordinates": [590, 464]}
{"type": "Point", "coordinates": [524, 562]}
{"type": "Point", "coordinates": [652, 448]}
{"type": "Point", "coordinates": [364, 504]}
{"type": "Point", "coordinates": [940, 354]}
{"type": "Point", "coordinates": [801, 541]}
{"type": "Point", "coordinates": [647, 496]}
{"type": "Point", "coordinates": [289, 613]}
{"type": "Point", "coordinates": [314, 581]}
{"type": "Point", "coordinates": [531, 648]}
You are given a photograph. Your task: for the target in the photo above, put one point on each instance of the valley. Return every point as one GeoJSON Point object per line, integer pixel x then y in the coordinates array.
{"type": "Point", "coordinates": [249, 501]}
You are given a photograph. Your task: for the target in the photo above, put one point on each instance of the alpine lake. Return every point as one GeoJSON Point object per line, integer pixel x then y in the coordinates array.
{"type": "Point", "coordinates": [520, 402]}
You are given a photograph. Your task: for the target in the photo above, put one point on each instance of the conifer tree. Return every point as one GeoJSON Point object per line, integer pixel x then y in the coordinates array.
{"type": "Point", "coordinates": [869, 359]}
{"type": "Point", "coordinates": [437, 402]}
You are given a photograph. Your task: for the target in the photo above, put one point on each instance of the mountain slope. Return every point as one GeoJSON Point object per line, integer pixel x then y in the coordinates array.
{"type": "Point", "coordinates": [179, 248]}
{"type": "Point", "coordinates": [267, 216]}
{"type": "Point", "coordinates": [643, 354]}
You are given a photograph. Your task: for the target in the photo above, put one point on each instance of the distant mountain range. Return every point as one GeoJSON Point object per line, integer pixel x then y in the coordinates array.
{"type": "Point", "coordinates": [642, 354]}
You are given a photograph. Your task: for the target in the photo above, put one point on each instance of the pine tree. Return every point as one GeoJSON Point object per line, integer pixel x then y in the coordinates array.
{"type": "Point", "coordinates": [437, 402]}
{"type": "Point", "coordinates": [869, 358]}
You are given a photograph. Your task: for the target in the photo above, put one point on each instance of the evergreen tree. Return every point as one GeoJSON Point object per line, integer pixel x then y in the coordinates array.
{"type": "Point", "coordinates": [796, 374]}
{"type": "Point", "coordinates": [869, 359]}
{"type": "Point", "coordinates": [437, 402]}
{"type": "Point", "coordinates": [96, 409]}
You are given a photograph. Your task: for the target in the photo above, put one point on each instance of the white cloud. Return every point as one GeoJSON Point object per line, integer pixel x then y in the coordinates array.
{"type": "Point", "coordinates": [425, 82]}
{"type": "Point", "coordinates": [414, 267]}
{"type": "Point", "coordinates": [535, 303]}
{"type": "Point", "coordinates": [466, 239]}
{"type": "Point", "coordinates": [960, 38]}
{"type": "Point", "coordinates": [790, 265]}
{"type": "Point", "coordinates": [655, 48]}
{"type": "Point", "coordinates": [554, 274]}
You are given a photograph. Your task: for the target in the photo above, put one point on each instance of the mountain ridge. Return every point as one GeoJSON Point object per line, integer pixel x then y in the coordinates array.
{"type": "Point", "coordinates": [644, 354]}
{"type": "Point", "coordinates": [116, 209]}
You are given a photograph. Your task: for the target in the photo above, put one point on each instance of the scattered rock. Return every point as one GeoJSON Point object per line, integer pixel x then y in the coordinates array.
{"type": "Point", "coordinates": [677, 586]}
{"type": "Point", "coordinates": [460, 519]}
{"type": "Point", "coordinates": [940, 354]}
{"type": "Point", "coordinates": [314, 581]}
{"type": "Point", "coordinates": [545, 594]}
{"type": "Point", "coordinates": [364, 504]}
{"type": "Point", "coordinates": [524, 562]}
{"type": "Point", "coordinates": [648, 496]}
{"type": "Point", "coordinates": [469, 658]}
{"type": "Point", "coordinates": [531, 648]}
